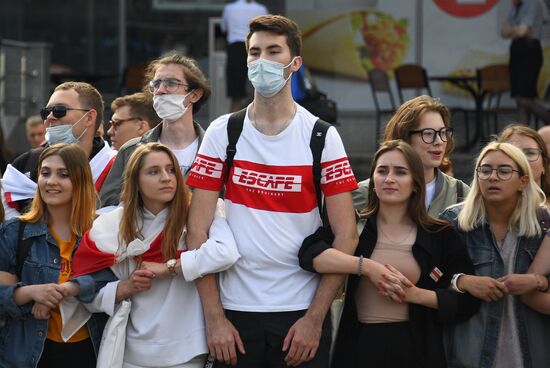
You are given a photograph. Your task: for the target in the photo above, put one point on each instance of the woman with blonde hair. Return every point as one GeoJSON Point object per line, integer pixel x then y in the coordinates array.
{"type": "Point", "coordinates": [499, 224]}
{"type": "Point", "coordinates": [424, 123]}
{"type": "Point", "coordinates": [143, 244]}
{"type": "Point", "coordinates": [398, 298]}
{"type": "Point", "coordinates": [61, 211]}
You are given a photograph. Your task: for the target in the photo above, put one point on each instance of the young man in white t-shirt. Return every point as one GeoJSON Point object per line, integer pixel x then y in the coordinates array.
{"type": "Point", "coordinates": [274, 313]}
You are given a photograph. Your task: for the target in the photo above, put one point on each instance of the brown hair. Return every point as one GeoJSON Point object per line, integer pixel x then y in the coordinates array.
{"type": "Point", "coordinates": [133, 203]}
{"type": "Point", "coordinates": [141, 106]}
{"type": "Point", "coordinates": [89, 98]}
{"type": "Point", "coordinates": [407, 117]}
{"type": "Point", "coordinates": [416, 208]}
{"type": "Point", "coordinates": [193, 75]}
{"type": "Point", "coordinates": [84, 194]}
{"type": "Point", "coordinates": [279, 25]}
{"type": "Point", "coordinates": [525, 131]}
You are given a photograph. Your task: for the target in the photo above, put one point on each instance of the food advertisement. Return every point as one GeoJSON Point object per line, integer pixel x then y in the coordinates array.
{"type": "Point", "coordinates": [351, 43]}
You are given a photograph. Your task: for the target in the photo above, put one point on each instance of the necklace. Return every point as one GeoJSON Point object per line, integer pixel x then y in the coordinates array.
{"type": "Point", "coordinates": [283, 127]}
{"type": "Point", "coordinates": [396, 241]}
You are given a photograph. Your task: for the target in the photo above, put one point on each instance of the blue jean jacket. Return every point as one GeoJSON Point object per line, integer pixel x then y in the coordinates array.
{"type": "Point", "coordinates": [473, 343]}
{"type": "Point", "coordinates": [22, 337]}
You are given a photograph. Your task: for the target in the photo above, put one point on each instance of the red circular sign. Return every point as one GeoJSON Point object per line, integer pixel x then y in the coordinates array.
{"type": "Point", "coordinates": [465, 8]}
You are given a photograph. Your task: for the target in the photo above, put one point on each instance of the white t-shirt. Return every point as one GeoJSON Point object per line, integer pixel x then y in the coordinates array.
{"type": "Point", "coordinates": [237, 15]}
{"type": "Point", "coordinates": [430, 193]}
{"type": "Point", "coordinates": [186, 156]}
{"type": "Point", "coordinates": [271, 207]}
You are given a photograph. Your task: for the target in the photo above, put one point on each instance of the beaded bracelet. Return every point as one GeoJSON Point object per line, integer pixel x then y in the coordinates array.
{"type": "Point", "coordinates": [360, 267]}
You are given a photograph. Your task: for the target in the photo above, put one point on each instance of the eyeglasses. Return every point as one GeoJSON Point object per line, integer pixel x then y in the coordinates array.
{"type": "Point", "coordinates": [58, 111]}
{"type": "Point", "coordinates": [171, 84]}
{"type": "Point", "coordinates": [428, 134]}
{"type": "Point", "coordinates": [117, 123]}
{"type": "Point", "coordinates": [532, 154]}
{"type": "Point", "coordinates": [504, 172]}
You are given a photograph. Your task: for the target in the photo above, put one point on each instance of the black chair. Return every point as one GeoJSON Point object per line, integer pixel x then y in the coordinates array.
{"type": "Point", "coordinates": [379, 83]}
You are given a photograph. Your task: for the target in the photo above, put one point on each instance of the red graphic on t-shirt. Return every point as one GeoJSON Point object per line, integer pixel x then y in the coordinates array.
{"type": "Point", "coordinates": [272, 188]}
{"type": "Point", "coordinates": [465, 8]}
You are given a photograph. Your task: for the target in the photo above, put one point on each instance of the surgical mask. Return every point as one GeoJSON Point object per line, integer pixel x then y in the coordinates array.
{"type": "Point", "coordinates": [170, 107]}
{"type": "Point", "coordinates": [63, 133]}
{"type": "Point", "coordinates": [267, 76]}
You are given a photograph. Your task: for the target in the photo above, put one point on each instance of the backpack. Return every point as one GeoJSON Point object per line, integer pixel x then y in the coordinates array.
{"type": "Point", "coordinates": [316, 144]}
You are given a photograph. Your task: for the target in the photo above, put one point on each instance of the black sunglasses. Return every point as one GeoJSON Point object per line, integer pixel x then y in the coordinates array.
{"type": "Point", "coordinates": [58, 111]}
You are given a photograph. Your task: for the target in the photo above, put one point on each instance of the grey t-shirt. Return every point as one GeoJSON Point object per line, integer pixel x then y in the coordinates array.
{"type": "Point", "coordinates": [508, 354]}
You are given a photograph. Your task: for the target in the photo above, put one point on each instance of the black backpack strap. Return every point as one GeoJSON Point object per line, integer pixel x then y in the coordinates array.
{"type": "Point", "coordinates": [317, 144]}
{"type": "Point", "coordinates": [459, 192]}
{"type": "Point", "coordinates": [543, 218]}
{"type": "Point", "coordinates": [234, 130]}
{"type": "Point", "coordinates": [23, 248]}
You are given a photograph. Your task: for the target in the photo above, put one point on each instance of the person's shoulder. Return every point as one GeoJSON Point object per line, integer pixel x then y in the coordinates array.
{"type": "Point", "coordinates": [219, 124]}
{"type": "Point", "coordinates": [451, 213]}
{"type": "Point", "coordinates": [10, 225]}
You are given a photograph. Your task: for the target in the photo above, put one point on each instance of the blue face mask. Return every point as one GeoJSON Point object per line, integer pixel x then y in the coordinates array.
{"type": "Point", "coordinates": [63, 133]}
{"type": "Point", "coordinates": [267, 76]}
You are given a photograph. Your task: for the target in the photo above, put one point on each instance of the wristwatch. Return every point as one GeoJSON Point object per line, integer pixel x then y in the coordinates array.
{"type": "Point", "coordinates": [454, 281]}
{"type": "Point", "coordinates": [171, 265]}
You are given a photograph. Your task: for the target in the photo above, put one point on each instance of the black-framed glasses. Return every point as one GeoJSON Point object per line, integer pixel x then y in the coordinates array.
{"type": "Point", "coordinates": [171, 84]}
{"type": "Point", "coordinates": [116, 123]}
{"type": "Point", "coordinates": [428, 134]}
{"type": "Point", "coordinates": [58, 111]}
{"type": "Point", "coordinates": [532, 154]}
{"type": "Point", "coordinates": [504, 172]}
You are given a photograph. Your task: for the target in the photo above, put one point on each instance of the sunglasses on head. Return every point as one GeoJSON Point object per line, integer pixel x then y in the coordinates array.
{"type": "Point", "coordinates": [58, 111]}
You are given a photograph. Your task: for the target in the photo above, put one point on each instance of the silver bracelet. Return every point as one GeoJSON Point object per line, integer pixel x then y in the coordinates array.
{"type": "Point", "coordinates": [360, 266]}
{"type": "Point", "coordinates": [454, 282]}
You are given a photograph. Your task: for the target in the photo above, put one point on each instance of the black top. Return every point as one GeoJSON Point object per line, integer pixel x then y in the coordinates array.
{"type": "Point", "coordinates": [442, 248]}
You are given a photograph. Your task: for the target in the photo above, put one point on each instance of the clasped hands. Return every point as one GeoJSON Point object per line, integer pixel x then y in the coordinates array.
{"type": "Point", "coordinates": [390, 282]}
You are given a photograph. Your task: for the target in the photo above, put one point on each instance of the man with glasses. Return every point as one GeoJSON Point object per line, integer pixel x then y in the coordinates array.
{"type": "Point", "coordinates": [133, 116]}
{"type": "Point", "coordinates": [73, 114]}
{"type": "Point", "coordinates": [179, 90]}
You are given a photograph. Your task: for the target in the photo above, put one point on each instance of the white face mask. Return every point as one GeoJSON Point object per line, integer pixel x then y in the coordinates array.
{"type": "Point", "coordinates": [63, 133]}
{"type": "Point", "coordinates": [170, 107]}
{"type": "Point", "coordinates": [267, 76]}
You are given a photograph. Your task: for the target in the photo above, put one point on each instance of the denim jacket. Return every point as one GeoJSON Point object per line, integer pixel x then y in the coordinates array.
{"type": "Point", "coordinates": [473, 343]}
{"type": "Point", "coordinates": [22, 337]}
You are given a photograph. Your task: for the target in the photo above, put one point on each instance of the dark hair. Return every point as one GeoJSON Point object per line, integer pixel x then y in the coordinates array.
{"type": "Point", "coordinates": [416, 208]}
{"type": "Point", "coordinates": [89, 97]}
{"type": "Point", "coordinates": [525, 131]}
{"type": "Point", "coordinates": [279, 25]}
{"type": "Point", "coordinates": [193, 75]}
{"type": "Point", "coordinates": [141, 106]}
{"type": "Point", "coordinates": [407, 117]}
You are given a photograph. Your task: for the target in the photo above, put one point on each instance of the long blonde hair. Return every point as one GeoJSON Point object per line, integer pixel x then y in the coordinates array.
{"type": "Point", "coordinates": [133, 203]}
{"type": "Point", "coordinates": [84, 194]}
{"type": "Point", "coordinates": [524, 218]}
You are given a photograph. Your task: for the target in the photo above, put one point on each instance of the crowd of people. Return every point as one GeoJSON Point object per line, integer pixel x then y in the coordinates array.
{"type": "Point", "coordinates": [179, 247]}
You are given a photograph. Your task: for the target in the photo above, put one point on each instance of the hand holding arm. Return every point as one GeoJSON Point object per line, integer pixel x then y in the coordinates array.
{"type": "Point", "coordinates": [138, 282]}
{"type": "Point", "coordinates": [482, 287]}
{"type": "Point", "coordinates": [48, 294]}
{"type": "Point", "coordinates": [519, 284]}
{"type": "Point", "coordinates": [40, 311]}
